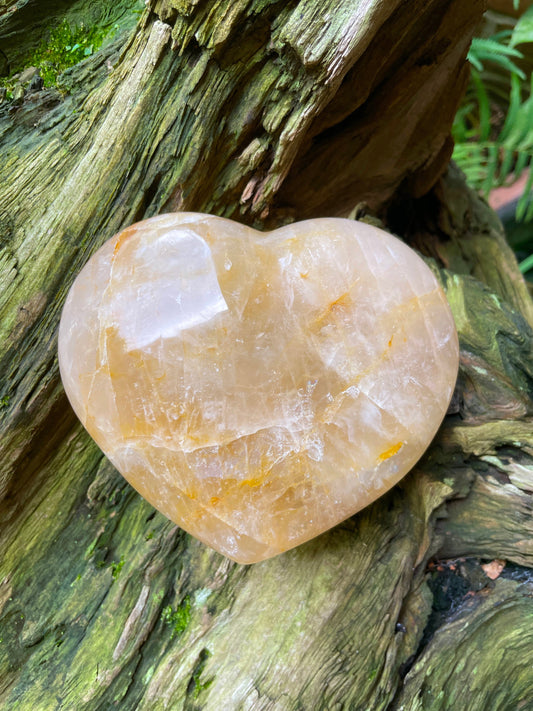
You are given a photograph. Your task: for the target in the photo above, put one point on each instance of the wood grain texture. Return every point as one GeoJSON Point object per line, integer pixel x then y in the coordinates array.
{"type": "Point", "coordinates": [103, 602]}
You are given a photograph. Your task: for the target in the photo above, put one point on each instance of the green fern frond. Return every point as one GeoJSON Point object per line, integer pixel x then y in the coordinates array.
{"type": "Point", "coordinates": [493, 129]}
{"type": "Point", "coordinates": [490, 164]}
{"type": "Point", "coordinates": [494, 50]}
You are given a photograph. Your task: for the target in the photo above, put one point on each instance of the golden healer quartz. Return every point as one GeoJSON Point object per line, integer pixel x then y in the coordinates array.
{"type": "Point", "coordinates": [258, 388]}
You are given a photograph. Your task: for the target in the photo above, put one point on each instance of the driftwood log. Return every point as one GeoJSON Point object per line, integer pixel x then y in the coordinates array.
{"type": "Point", "coordinates": [266, 112]}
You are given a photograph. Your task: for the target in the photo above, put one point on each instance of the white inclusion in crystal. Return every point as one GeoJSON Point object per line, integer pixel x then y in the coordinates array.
{"type": "Point", "coordinates": [285, 261]}
{"type": "Point", "coordinates": [315, 448]}
{"type": "Point", "coordinates": [175, 287]}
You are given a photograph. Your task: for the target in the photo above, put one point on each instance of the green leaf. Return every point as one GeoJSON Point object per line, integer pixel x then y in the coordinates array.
{"type": "Point", "coordinates": [524, 208]}
{"type": "Point", "coordinates": [523, 31]}
{"type": "Point", "coordinates": [507, 162]}
{"type": "Point", "coordinates": [483, 104]}
{"type": "Point", "coordinates": [491, 177]}
{"type": "Point", "coordinates": [515, 99]}
{"type": "Point", "coordinates": [526, 265]}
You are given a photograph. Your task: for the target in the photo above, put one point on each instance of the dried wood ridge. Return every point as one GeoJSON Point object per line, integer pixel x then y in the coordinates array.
{"type": "Point", "coordinates": [265, 112]}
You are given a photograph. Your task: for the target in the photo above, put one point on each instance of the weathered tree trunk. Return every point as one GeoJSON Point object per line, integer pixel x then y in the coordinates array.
{"type": "Point", "coordinates": [264, 111]}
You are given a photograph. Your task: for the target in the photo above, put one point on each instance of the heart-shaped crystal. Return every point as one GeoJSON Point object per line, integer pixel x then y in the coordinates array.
{"type": "Point", "coordinates": [258, 388]}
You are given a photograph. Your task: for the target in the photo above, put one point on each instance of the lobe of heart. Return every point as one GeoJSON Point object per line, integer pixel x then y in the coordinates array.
{"type": "Point", "coordinates": [258, 388]}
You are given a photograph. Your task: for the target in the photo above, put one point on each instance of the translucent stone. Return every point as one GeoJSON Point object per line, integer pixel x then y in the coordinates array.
{"type": "Point", "coordinates": [258, 388]}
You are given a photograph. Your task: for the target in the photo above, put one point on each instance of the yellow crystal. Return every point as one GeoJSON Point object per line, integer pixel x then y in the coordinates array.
{"type": "Point", "coordinates": [258, 388]}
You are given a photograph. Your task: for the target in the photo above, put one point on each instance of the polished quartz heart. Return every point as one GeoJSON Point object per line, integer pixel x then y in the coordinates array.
{"type": "Point", "coordinates": [258, 388]}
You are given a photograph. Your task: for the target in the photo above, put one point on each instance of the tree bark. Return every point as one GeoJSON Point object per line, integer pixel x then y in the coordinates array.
{"type": "Point", "coordinates": [265, 112]}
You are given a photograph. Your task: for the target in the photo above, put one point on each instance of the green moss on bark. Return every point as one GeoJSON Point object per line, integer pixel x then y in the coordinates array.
{"type": "Point", "coordinates": [199, 111]}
